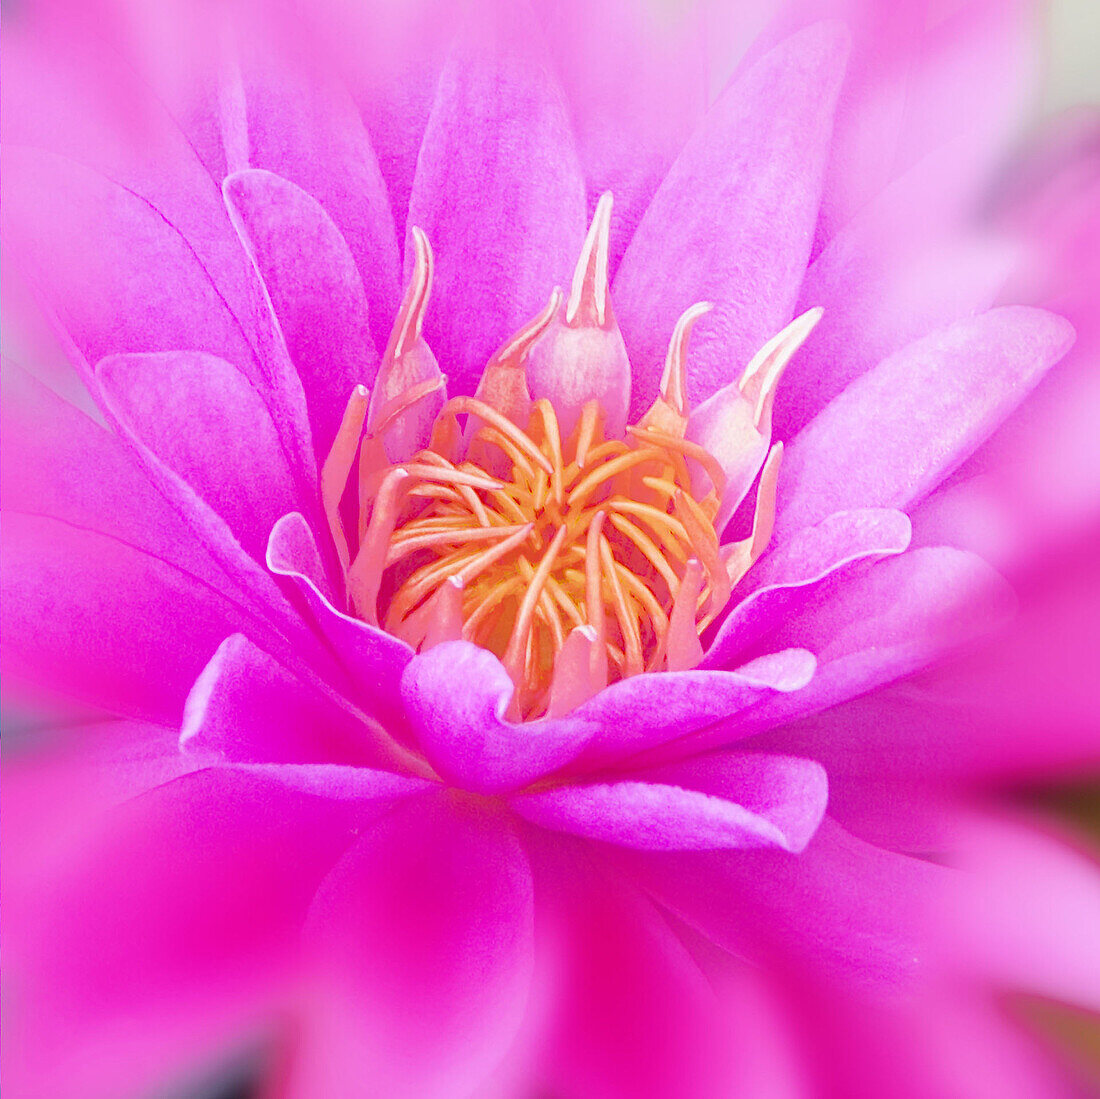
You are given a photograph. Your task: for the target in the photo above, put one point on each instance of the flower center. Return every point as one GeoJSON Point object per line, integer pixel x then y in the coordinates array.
{"type": "Point", "coordinates": [579, 550]}
{"type": "Point", "coordinates": [539, 535]}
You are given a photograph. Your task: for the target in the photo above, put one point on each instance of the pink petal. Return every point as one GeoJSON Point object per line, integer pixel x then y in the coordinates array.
{"type": "Point", "coordinates": [248, 582]}
{"type": "Point", "coordinates": [315, 291]}
{"type": "Point", "coordinates": [423, 934]}
{"type": "Point", "coordinates": [727, 801]}
{"type": "Point", "coordinates": [901, 615]}
{"type": "Point", "coordinates": [648, 710]}
{"type": "Point", "coordinates": [247, 708]}
{"type": "Point", "coordinates": [77, 90]}
{"type": "Point", "coordinates": [87, 241]}
{"type": "Point", "coordinates": [933, 1041]}
{"type": "Point", "coordinates": [885, 279]}
{"type": "Point", "coordinates": [183, 915]}
{"type": "Point", "coordinates": [372, 659]}
{"type": "Point", "coordinates": [631, 77]}
{"type": "Point", "coordinates": [76, 618]}
{"type": "Point", "coordinates": [731, 223]}
{"type": "Point", "coordinates": [88, 768]}
{"type": "Point", "coordinates": [1027, 909]}
{"type": "Point", "coordinates": [498, 190]}
{"type": "Point", "coordinates": [58, 462]}
{"type": "Point", "coordinates": [841, 908]}
{"type": "Point", "coordinates": [788, 792]}
{"type": "Point", "coordinates": [608, 1026]}
{"type": "Point", "coordinates": [303, 126]}
{"type": "Point", "coordinates": [897, 431]}
{"type": "Point", "coordinates": [788, 578]}
{"type": "Point", "coordinates": [235, 463]}
{"type": "Point", "coordinates": [989, 714]}
{"type": "Point", "coordinates": [457, 695]}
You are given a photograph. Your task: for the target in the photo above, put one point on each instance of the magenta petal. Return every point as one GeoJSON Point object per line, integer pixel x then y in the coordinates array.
{"type": "Point", "coordinates": [787, 578]}
{"type": "Point", "coordinates": [56, 461]}
{"type": "Point", "coordinates": [304, 127]}
{"type": "Point", "coordinates": [789, 792]}
{"type": "Point", "coordinates": [90, 769]}
{"type": "Point", "coordinates": [245, 707]}
{"type": "Point", "coordinates": [617, 1029]}
{"type": "Point", "coordinates": [77, 618]}
{"type": "Point", "coordinates": [1026, 912]}
{"type": "Point", "coordinates": [647, 710]}
{"type": "Point", "coordinates": [261, 598]}
{"type": "Point", "coordinates": [631, 77]}
{"type": "Point", "coordinates": [842, 907]}
{"type": "Point", "coordinates": [90, 242]}
{"type": "Point", "coordinates": [235, 462]}
{"type": "Point", "coordinates": [886, 279]}
{"type": "Point", "coordinates": [69, 91]}
{"type": "Point", "coordinates": [901, 615]}
{"type": "Point", "coordinates": [423, 933]}
{"type": "Point", "coordinates": [499, 192]}
{"type": "Point", "coordinates": [897, 431]}
{"type": "Point", "coordinates": [733, 220]}
{"type": "Point", "coordinates": [315, 291]}
{"type": "Point", "coordinates": [456, 694]}
{"type": "Point", "coordinates": [372, 658]}
{"type": "Point", "coordinates": [184, 913]}
{"type": "Point", "coordinates": [650, 816]}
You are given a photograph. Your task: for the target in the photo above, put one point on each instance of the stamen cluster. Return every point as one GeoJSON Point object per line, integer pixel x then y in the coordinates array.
{"type": "Point", "coordinates": [581, 532]}
{"type": "Point", "coordinates": [579, 550]}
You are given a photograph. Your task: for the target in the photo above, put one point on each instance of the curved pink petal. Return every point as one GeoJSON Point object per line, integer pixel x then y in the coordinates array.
{"type": "Point", "coordinates": [303, 125]}
{"type": "Point", "coordinates": [205, 421]}
{"type": "Point", "coordinates": [898, 430]}
{"type": "Point", "coordinates": [76, 89]}
{"type": "Point", "coordinates": [245, 707]}
{"type": "Point", "coordinates": [901, 615]}
{"type": "Point", "coordinates": [974, 78]}
{"type": "Point", "coordinates": [389, 56]}
{"type": "Point", "coordinates": [179, 913]}
{"type": "Point", "coordinates": [727, 801]}
{"type": "Point", "coordinates": [885, 279]}
{"type": "Point", "coordinates": [258, 594]}
{"type": "Point", "coordinates": [77, 610]}
{"type": "Point", "coordinates": [987, 715]}
{"type": "Point", "coordinates": [609, 1026]}
{"type": "Point", "coordinates": [936, 1040]}
{"type": "Point", "coordinates": [90, 769]}
{"type": "Point", "coordinates": [787, 791]}
{"type": "Point", "coordinates": [372, 659]}
{"type": "Point", "coordinates": [788, 577]}
{"type": "Point", "coordinates": [315, 291]}
{"type": "Point", "coordinates": [56, 461]}
{"type": "Point", "coordinates": [456, 694]}
{"type": "Point", "coordinates": [423, 939]}
{"type": "Point", "coordinates": [841, 908]}
{"type": "Point", "coordinates": [1026, 910]}
{"type": "Point", "coordinates": [499, 192]}
{"type": "Point", "coordinates": [87, 241]}
{"type": "Point", "coordinates": [648, 710]}
{"type": "Point", "coordinates": [631, 79]}
{"type": "Point", "coordinates": [732, 221]}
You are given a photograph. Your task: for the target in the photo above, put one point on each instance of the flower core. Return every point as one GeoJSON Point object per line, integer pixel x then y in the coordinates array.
{"type": "Point", "coordinates": [578, 552]}
{"type": "Point", "coordinates": [577, 532]}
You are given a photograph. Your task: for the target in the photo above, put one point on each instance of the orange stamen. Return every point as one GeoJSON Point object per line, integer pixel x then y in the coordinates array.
{"type": "Point", "coordinates": [578, 560]}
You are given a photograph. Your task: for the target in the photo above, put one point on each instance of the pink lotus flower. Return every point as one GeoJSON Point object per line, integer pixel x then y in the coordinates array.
{"type": "Point", "coordinates": [475, 617]}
